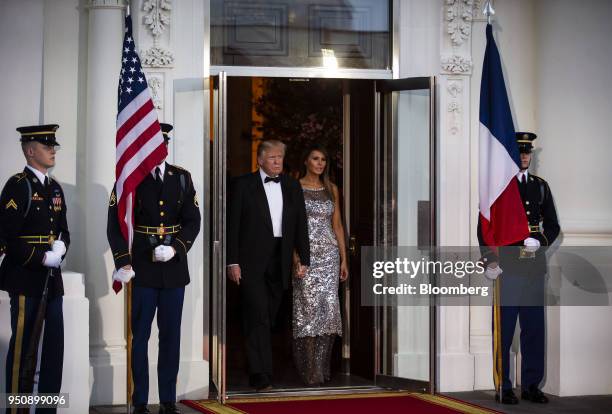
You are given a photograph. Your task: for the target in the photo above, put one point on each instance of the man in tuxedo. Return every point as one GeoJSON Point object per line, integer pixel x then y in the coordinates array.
{"type": "Point", "coordinates": [267, 221]}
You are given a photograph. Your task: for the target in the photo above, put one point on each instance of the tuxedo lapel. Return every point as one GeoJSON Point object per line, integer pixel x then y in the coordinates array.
{"type": "Point", "coordinates": [261, 199]}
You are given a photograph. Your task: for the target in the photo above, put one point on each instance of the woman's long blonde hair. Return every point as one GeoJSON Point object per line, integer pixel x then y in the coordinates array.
{"type": "Point", "coordinates": [324, 177]}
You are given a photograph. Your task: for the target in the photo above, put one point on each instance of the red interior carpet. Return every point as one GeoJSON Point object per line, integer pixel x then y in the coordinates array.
{"type": "Point", "coordinates": [338, 404]}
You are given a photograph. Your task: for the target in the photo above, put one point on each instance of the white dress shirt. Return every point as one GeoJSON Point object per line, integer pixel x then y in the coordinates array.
{"type": "Point", "coordinates": [162, 169]}
{"type": "Point", "coordinates": [520, 174]}
{"type": "Point", "coordinates": [39, 174]}
{"type": "Point", "coordinates": [274, 194]}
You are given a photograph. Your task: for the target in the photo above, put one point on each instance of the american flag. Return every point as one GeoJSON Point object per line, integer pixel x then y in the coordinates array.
{"type": "Point", "coordinates": [140, 143]}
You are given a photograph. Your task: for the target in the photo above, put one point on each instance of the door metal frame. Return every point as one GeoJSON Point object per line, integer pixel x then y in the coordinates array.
{"type": "Point", "coordinates": [217, 353]}
{"type": "Point", "coordinates": [384, 236]}
{"type": "Point", "coordinates": [218, 205]}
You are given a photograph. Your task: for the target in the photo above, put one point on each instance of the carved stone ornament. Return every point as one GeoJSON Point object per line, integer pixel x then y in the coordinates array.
{"type": "Point", "coordinates": [459, 15]}
{"type": "Point", "coordinates": [156, 85]}
{"type": "Point", "coordinates": [478, 15]}
{"type": "Point", "coordinates": [107, 4]}
{"type": "Point", "coordinates": [455, 89]}
{"type": "Point", "coordinates": [157, 19]}
{"type": "Point", "coordinates": [457, 64]}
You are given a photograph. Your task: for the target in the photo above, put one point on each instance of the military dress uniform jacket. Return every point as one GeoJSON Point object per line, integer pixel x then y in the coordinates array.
{"type": "Point", "coordinates": [31, 217]}
{"type": "Point", "coordinates": [168, 215]}
{"type": "Point", "coordinates": [541, 214]}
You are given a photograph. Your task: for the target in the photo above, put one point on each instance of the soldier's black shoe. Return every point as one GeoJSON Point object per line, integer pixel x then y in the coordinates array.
{"type": "Point", "coordinates": [141, 409]}
{"type": "Point", "coordinates": [168, 408]}
{"type": "Point", "coordinates": [507, 397]}
{"type": "Point", "coordinates": [534, 395]}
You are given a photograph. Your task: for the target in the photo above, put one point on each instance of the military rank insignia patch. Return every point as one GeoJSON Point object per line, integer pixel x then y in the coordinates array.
{"type": "Point", "coordinates": [113, 200]}
{"type": "Point", "coordinates": [57, 201]}
{"type": "Point", "coordinates": [195, 201]}
{"type": "Point", "coordinates": [11, 204]}
{"type": "Point", "coordinates": [36, 197]}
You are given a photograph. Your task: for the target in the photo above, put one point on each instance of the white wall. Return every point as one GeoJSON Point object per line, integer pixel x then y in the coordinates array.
{"type": "Point", "coordinates": [574, 120]}
{"type": "Point", "coordinates": [21, 44]}
{"type": "Point", "coordinates": [574, 111]}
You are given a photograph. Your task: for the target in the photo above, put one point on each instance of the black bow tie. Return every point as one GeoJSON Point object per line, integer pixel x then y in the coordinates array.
{"type": "Point", "coordinates": [275, 179]}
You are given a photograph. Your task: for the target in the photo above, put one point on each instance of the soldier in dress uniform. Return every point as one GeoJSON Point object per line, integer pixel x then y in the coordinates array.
{"type": "Point", "coordinates": [167, 221]}
{"type": "Point", "coordinates": [34, 226]}
{"type": "Point", "coordinates": [522, 282]}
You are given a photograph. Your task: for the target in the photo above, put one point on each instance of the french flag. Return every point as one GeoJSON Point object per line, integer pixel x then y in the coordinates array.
{"type": "Point", "coordinates": [502, 216]}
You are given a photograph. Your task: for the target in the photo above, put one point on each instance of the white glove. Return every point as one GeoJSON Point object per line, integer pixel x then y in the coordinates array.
{"type": "Point", "coordinates": [531, 245]}
{"type": "Point", "coordinates": [123, 275]}
{"type": "Point", "coordinates": [52, 259]}
{"type": "Point", "coordinates": [59, 247]}
{"type": "Point", "coordinates": [493, 272]}
{"type": "Point", "coordinates": [163, 253]}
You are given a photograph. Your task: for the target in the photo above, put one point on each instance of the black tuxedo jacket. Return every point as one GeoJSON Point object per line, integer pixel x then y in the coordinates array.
{"type": "Point", "coordinates": [175, 204]}
{"type": "Point", "coordinates": [250, 236]}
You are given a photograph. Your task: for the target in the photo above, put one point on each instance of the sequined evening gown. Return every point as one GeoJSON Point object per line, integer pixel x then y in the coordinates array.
{"type": "Point", "coordinates": [316, 308]}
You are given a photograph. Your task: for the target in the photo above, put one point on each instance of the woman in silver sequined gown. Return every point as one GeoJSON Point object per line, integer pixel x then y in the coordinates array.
{"type": "Point", "coordinates": [316, 307]}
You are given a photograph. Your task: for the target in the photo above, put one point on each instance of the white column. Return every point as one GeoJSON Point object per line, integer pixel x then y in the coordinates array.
{"type": "Point", "coordinates": [107, 341]}
{"type": "Point", "coordinates": [456, 363]}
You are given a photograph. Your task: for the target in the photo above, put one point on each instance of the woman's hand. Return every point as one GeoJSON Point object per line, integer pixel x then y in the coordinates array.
{"type": "Point", "coordinates": [297, 270]}
{"type": "Point", "coordinates": [343, 271]}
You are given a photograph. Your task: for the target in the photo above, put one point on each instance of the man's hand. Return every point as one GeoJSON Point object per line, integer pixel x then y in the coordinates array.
{"type": "Point", "coordinates": [124, 275]}
{"type": "Point", "coordinates": [234, 273]}
{"type": "Point", "coordinates": [493, 271]}
{"type": "Point", "coordinates": [52, 259]}
{"type": "Point", "coordinates": [163, 253]}
{"type": "Point", "coordinates": [531, 245]}
{"type": "Point", "coordinates": [59, 247]}
{"type": "Point", "coordinates": [301, 271]}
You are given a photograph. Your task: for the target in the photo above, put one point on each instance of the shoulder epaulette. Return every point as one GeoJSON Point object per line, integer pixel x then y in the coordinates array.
{"type": "Point", "coordinates": [19, 176]}
{"type": "Point", "coordinates": [178, 168]}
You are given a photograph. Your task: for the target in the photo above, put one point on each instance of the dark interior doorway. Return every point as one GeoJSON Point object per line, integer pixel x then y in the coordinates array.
{"type": "Point", "coordinates": [301, 112]}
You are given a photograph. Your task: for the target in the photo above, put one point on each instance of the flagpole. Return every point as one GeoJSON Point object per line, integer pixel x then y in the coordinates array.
{"type": "Point", "coordinates": [128, 335]}
{"type": "Point", "coordinates": [488, 10]}
{"type": "Point", "coordinates": [128, 323]}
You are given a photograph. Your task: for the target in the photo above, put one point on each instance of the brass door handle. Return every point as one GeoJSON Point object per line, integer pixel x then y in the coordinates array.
{"type": "Point", "coordinates": [352, 245]}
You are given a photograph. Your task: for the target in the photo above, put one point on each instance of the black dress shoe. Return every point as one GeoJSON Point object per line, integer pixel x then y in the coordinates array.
{"type": "Point", "coordinates": [507, 397]}
{"type": "Point", "coordinates": [168, 408]}
{"type": "Point", "coordinates": [534, 395]}
{"type": "Point", "coordinates": [141, 409]}
{"type": "Point", "coordinates": [261, 382]}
